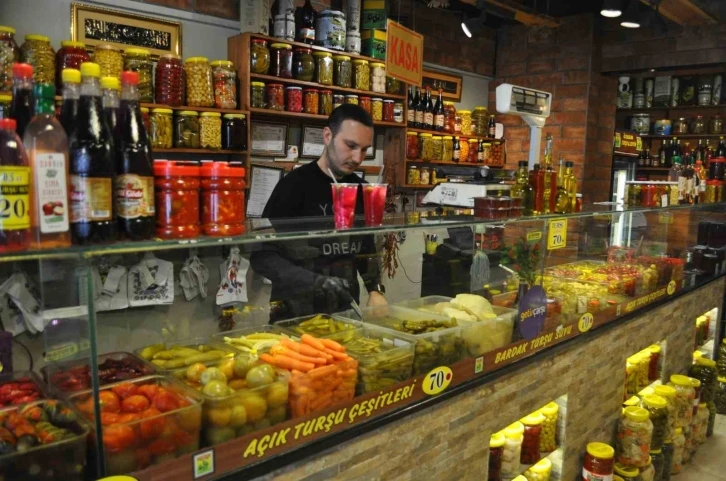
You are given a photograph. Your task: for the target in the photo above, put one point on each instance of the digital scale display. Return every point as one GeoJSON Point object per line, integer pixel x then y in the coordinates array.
{"type": "Point", "coordinates": [528, 101]}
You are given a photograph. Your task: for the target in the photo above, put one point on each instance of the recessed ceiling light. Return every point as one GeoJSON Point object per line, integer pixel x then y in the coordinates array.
{"type": "Point", "coordinates": [611, 8]}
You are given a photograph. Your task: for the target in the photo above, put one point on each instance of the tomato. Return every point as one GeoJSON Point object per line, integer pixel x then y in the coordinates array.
{"type": "Point", "coordinates": [107, 419]}
{"type": "Point", "coordinates": [149, 390]}
{"type": "Point", "coordinates": [86, 407]}
{"type": "Point", "coordinates": [183, 439]}
{"type": "Point", "coordinates": [125, 390]}
{"type": "Point", "coordinates": [166, 401]}
{"type": "Point", "coordinates": [117, 437]}
{"type": "Point", "coordinates": [110, 402]}
{"type": "Point", "coordinates": [151, 428]}
{"type": "Point", "coordinates": [143, 458]}
{"type": "Point", "coordinates": [162, 446]}
{"type": "Point", "coordinates": [128, 417]}
{"type": "Point", "coordinates": [134, 404]}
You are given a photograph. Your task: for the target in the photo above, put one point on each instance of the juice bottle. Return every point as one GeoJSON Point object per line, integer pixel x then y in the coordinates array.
{"type": "Point", "coordinates": [14, 190]}
{"type": "Point", "coordinates": [536, 180]}
{"type": "Point", "coordinates": [71, 94]}
{"type": "Point", "coordinates": [134, 182]}
{"type": "Point", "coordinates": [92, 165]}
{"type": "Point", "coordinates": [110, 88]}
{"type": "Point", "coordinates": [47, 146]}
{"type": "Point", "coordinates": [21, 108]}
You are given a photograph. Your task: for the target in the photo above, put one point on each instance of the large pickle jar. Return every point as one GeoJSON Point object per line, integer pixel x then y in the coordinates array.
{"type": "Point", "coordinates": [513, 438]}
{"type": "Point", "coordinates": [200, 91]}
{"type": "Point", "coordinates": [465, 122]}
{"type": "Point", "coordinates": [719, 398]}
{"type": "Point", "coordinates": [186, 130]}
{"type": "Point", "coordinates": [110, 59]}
{"type": "Point", "coordinates": [139, 60]}
{"type": "Point", "coordinates": [599, 462]}
{"type": "Point", "coordinates": [634, 437]}
{"type": "Point", "coordinates": [160, 135]}
{"type": "Point", "coordinates": [532, 433]}
{"type": "Point", "coordinates": [234, 132]}
{"type": "Point", "coordinates": [303, 64]}
{"type": "Point", "coordinates": [38, 52]}
{"type": "Point", "coordinates": [496, 450]}
{"type": "Point", "coordinates": [362, 74]}
{"type": "Point", "coordinates": [547, 441]}
{"type": "Point", "coordinates": [225, 84]}
{"type": "Point", "coordinates": [223, 198]}
{"type": "Point", "coordinates": [177, 199]}
{"type": "Point", "coordinates": [705, 371]}
{"type": "Point", "coordinates": [210, 130]}
{"type": "Point", "coordinates": [281, 60]}
{"type": "Point", "coordinates": [540, 471]}
{"type": "Point", "coordinates": [412, 145]}
{"type": "Point", "coordinates": [9, 54]}
{"type": "Point", "coordinates": [71, 55]}
{"type": "Point", "coordinates": [685, 394]}
{"type": "Point", "coordinates": [479, 118]}
{"type": "Point", "coordinates": [668, 393]}
{"type": "Point", "coordinates": [657, 408]}
{"type": "Point", "coordinates": [324, 68]}
{"type": "Point", "coordinates": [342, 71]}
{"type": "Point", "coordinates": [259, 56]}
{"type": "Point", "coordinates": [169, 83]}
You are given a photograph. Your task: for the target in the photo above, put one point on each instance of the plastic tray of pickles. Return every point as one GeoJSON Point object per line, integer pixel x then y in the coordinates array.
{"type": "Point", "coordinates": [384, 357]}
{"type": "Point", "coordinates": [174, 355]}
{"type": "Point", "coordinates": [318, 325]}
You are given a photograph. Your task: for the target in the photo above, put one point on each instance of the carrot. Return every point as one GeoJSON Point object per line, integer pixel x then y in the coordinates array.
{"type": "Point", "coordinates": [287, 362]}
{"type": "Point", "coordinates": [321, 401]}
{"type": "Point", "coordinates": [312, 341]}
{"type": "Point", "coordinates": [268, 359]}
{"type": "Point", "coordinates": [278, 349]}
{"type": "Point", "coordinates": [330, 344]}
{"type": "Point", "coordinates": [303, 348]}
{"type": "Point", "coordinates": [323, 371]}
{"type": "Point", "coordinates": [338, 356]}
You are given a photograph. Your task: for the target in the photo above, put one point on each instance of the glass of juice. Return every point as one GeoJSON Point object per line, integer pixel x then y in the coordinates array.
{"type": "Point", "coordinates": [344, 199]}
{"type": "Point", "coordinates": [374, 202]}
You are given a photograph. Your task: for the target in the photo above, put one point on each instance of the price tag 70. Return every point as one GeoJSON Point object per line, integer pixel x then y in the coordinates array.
{"type": "Point", "coordinates": [557, 234]}
{"type": "Point", "coordinates": [437, 380]}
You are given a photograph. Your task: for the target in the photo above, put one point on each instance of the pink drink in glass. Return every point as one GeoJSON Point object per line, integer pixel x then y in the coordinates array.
{"type": "Point", "coordinates": [374, 202]}
{"type": "Point", "coordinates": [344, 197]}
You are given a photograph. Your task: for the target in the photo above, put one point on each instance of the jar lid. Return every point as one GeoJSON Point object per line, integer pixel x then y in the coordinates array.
{"type": "Point", "coordinates": [351, 96]}
{"type": "Point", "coordinates": [106, 82]}
{"type": "Point", "coordinates": [633, 401]}
{"type": "Point", "coordinates": [646, 391]}
{"type": "Point", "coordinates": [376, 99]}
{"type": "Point", "coordinates": [234, 116]}
{"type": "Point", "coordinates": [702, 405]}
{"type": "Point", "coordinates": [318, 53]}
{"type": "Point", "coordinates": [170, 56]}
{"type": "Point", "coordinates": [189, 113]}
{"type": "Point", "coordinates": [639, 415]}
{"type": "Point", "coordinates": [196, 59]}
{"type": "Point", "coordinates": [326, 92]}
{"type": "Point", "coordinates": [378, 64]}
{"type": "Point", "coordinates": [313, 91]}
{"type": "Point", "coordinates": [679, 431]}
{"type": "Point", "coordinates": [72, 43]}
{"type": "Point", "coordinates": [343, 58]}
{"type": "Point", "coordinates": [360, 61]}
{"type": "Point", "coordinates": [601, 450]}
{"type": "Point", "coordinates": [104, 46]}
{"type": "Point", "coordinates": [702, 361]}
{"type": "Point", "coordinates": [292, 87]}
{"type": "Point", "coordinates": [696, 382]}
{"type": "Point", "coordinates": [168, 168]}
{"type": "Point", "coordinates": [480, 108]}
{"type": "Point", "coordinates": [681, 380]}
{"type": "Point", "coordinates": [221, 169]}
{"type": "Point", "coordinates": [145, 110]}
{"type": "Point", "coordinates": [464, 111]}
{"type": "Point", "coordinates": [514, 430]}
{"type": "Point", "coordinates": [533, 419]}
{"type": "Point", "coordinates": [258, 84]}
{"type": "Point", "coordinates": [655, 348]}
{"type": "Point", "coordinates": [550, 408]}
{"type": "Point", "coordinates": [303, 49]}
{"type": "Point", "coordinates": [5, 28]}
{"type": "Point", "coordinates": [411, 133]}
{"type": "Point", "coordinates": [37, 38]}
{"type": "Point", "coordinates": [626, 471]}
{"type": "Point", "coordinates": [274, 85]}
{"type": "Point", "coordinates": [161, 110]}
{"type": "Point", "coordinates": [543, 466]}
{"type": "Point", "coordinates": [259, 40]}
{"type": "Point", "coordinates": [473, 141]}
{"type": "Point", "coordinates": [210, 114]}
{"type": "Point", "coordinates": [448, 137]}
{"type": "Point", "coordinates": [72, 75]}
{"type": "Point", "coordinates": [520, 478]}
{"type": "Point", "coordinates": [90, 69]}
{"type": "Point", "coordinates": [721, 378]}
{"type": "Point", "coordinates": [425, 135]}
{"type": "Point", "coordinates": [6, 98]}
{"type": "Point", "coordinates": [655, 401]}
{"type": "Point", "coordinates": [436, 137]}
{"type": "Point", "coordinates": [656, 451]}
{"type": "Point", "coordinates": [388, 101]}
{"type": "Point", "coordinates": [222, 63]}
{"type": "Point", "coordinates": [137, 51]}
{"type": "Point", "coordinates": [283, 46]}
{"type": "Point", "coordinates": [496, 440]}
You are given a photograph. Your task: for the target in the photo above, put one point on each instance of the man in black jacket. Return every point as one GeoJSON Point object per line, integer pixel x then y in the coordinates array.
{"type": "Point", "coordinates": [321, 274]}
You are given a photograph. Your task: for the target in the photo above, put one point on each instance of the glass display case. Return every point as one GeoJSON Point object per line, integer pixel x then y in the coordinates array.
{"type": "Point", "coordinates": [155, 351]}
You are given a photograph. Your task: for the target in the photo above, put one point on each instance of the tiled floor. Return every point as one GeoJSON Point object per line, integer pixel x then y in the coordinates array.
{"type": "Point", "coordinates": [709, 463]}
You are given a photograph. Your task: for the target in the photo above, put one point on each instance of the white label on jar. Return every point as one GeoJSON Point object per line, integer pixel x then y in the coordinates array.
{"type": "Point", "coordinates": [588, 476]}
{"type": "Point", "coordinates": [52, 192]}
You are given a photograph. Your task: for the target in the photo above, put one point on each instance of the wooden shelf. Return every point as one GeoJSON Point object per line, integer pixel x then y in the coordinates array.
{"type": "Point", "coordinates": [368, 169]}
{"type": "Point", "coordinates": [653, 169]}
{"type": "Point", "coordinates": [314, 47]}
{"type": "Point", "coordinates": [300, 83]}
{"type": "Point", "coordinates": [452, 164]}
{"type": "Point", "coordinates": [323, 118]}
{"type": "Point", "coordinates": [684, 136]}
{"type": "Point", "coordinates": [433, 132]}
{"type": "Point", "coordinates": [199, 151]}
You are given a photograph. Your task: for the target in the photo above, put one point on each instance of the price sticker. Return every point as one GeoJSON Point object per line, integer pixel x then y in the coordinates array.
{"type": "Point", "coordinates": [585, 323]}
{"type": "Point", "coordinates": [557, 234]}
{"type": "Point", "coordinates": [437, 380]}
{"type": "Point", "coordinates": [671, 288]}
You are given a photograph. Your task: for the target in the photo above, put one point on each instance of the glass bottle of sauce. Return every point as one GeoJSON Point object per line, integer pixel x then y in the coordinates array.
{"type": "Point", "coordinates": [536, 180]}
{"type": "Point", "coordinates": [71, 94]}
{"type": "Point", "coordinates": [457, 150]}
{"type": "Point", "coordinates": [21, 108]}
{"type": "Point", "coordinates": [411, 112]}
{"type": "Point", "coordinates": [15, 177]}
{"type": "Point", "coordinates": [110, 100]}
{"type": "Point", "coordinates": [522, 189]}
{"type": "Point", "coordinates": [439, 113]}
{"type": "Point", "coordinates": [561, 199]}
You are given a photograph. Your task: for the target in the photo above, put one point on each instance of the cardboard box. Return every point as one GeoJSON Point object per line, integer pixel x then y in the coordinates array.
{"type": "Point", "coordinates": [373, 43]}
{"type": "Point", "coordinates": [254, 16]}
{"type": "Point", "coordinates": [375, 14]}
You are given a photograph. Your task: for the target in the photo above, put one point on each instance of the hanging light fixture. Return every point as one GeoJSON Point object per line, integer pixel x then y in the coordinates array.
{"type": "Point", "coordinates": [631, 17]}
{"type": "Point", "coordinates": [475, 24]}
{"type": "Point", "coordinates": [611, 8]}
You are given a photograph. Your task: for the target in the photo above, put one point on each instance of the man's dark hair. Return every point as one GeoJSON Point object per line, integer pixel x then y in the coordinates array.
{"type": "Point", "coordinates": [348, 112]}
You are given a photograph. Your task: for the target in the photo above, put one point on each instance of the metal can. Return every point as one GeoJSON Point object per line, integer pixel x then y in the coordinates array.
{"type": "Point", "coordinates": [640, 123]}
{"type": "Point", "coordinates": [716, 92]}
{"type": "Point", "coordinates": [353, 42]}
{"type": "Point", "coordinates": [675, 91]}
{"type": "Point", "coordinates": [284, 26]}
{"type": "Point", "coordinates": [662, 127]}
{"type": "Point", "coordinates": [330, 29]}
{"type": "Point", "coordinates": [649, 83]}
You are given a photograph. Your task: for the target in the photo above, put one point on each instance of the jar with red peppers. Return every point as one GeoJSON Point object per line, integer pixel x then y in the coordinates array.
{"type": "Point", "coordinates": [649, 195]}
{"type": "Point", "coordinates": [365, 103]}
{"type": "Point", "coordinates": [449, 117]}
{"type": "Point", "coordinates": [496, 449]}
{"type": "Point", "coordinates": [388, 110]}
{"type": "Point", "coordinates": [599, 462]}
{"type": "Point", "coordinates": [225, 84]}
{"type": "Point", "coordinates": [294, 99]}
{"type": "Point", "coordinates": [223, 198]}
{"type": "Point", "coordinates": [169, 85]}
{"type": "Point", "coordinates": [530, 444]}
{"type": "Point", "coordinates": [653, 362]}
{"type": "Point", "coordinates": [177, 199]}
{"type": "Point", "coordinates": [311, 101]}
{"type": "Point", "coordinates": [275, 97]}
{"type": "Point", "coordinates": [70, 55]}
{"type": "Point", "coordinates": [412, 145]}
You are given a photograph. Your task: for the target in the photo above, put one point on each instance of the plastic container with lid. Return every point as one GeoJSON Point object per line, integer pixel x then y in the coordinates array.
{"type": "Point", "coordinates": [685, 394]}
{"type": "Point", "coordinates": [294, 99]}
{"type": "Point", "coordinates": [225, 84]}
{"type": "Point", "coordinates": [223, 198]}
{"type": "Point", "coordinates": [311, 101]}
{"type": "Point", "coordinates": [275, 97]}
{"type": "Point", "coordinates": [679, 445]}
{"type": "Point", "coordinates": [668, 450]}
{"type": "Point", "coordinates": [547, 440]}
{"type": "Point", "coordinates": [628, 473]}
{"type": "Point", "coordinates": [599, 462]}
{"type": "Point", "coordinates": [9, 54]}
{"type": "Point", "coordinates": [532, 433]}
{"type": "Point", "coordinates": [110, 59]}
{"type": "Point", "coordinates": [541, 471]}
{"type": "Point", "coordinates": [160, 134]}
{"type": "Point", "coordinates": [324, 67]}
{"type": "Point", "coordinates": [139, 60]}
{"type": "Point", "coordinates": [657, 408]}
{"type": "Point", "coordinates": [634, 437]}
{"type": "Point", "coordinates": [71, 55]}
{"type": "Point", "coordinates": [513, 437]}
{"type": "Point", "coordinates": [177, 199]}
{"type": "Point", "coordinates": [257, 95]}
{"type": "Point", "coordinates": [647, 473]}
{"type": "Point", "coordinates": [361, 74]}
{"type": "Point", "coordinates": [700, 425]}
{"type": "Point", "coordinates": [234, 132]}
{"type": "Point", "coordinates": [186, 129]}
{"type": "Point", "coordinates": [37, 51]}
{"type": "Point", "coordinates": [326, 102]}
{"type": "Point", "coordinates": [259, 56]}
{"type": "Point", "coordinates": [169, 80]}
{"type": "Point", "coordinates": [200, 89]}
{"type": "Point", "coordinates": [388, 110]}
{"type": "Point", "coordinates": [303, 64]}
{"type": "Point", "coordinates": [342, 71]}
{"type": "Point", "coordinates": [668, 393]}
{"type": "Point", "coordinates": [496, 450]}
{"type": "Point", "coordinates": [210, 130]}
{"type": "Point", "coordinates": [281, 60]}
{"type": "Point", "coordinates": [705, 371]}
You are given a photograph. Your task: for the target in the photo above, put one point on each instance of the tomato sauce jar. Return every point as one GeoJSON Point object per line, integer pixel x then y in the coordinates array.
{"type": "Point", "coordinates": [177, 199]}
{"type": "Point", "coordinates": [599, 462]}
{"type": "Point", "coordinates": [223, 198]}
{"type": "Point", "coordinates": [532, 432]}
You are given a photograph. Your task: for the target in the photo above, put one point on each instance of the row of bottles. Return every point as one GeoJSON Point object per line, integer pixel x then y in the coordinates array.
{"type": "Point", "coordinates": [691, 178]}
{"type": "Point", "coordinates": [86, 178]}
{"type": "Point", "coordinates": [427, 114]}
{"type": "Point", "coordinates": [670, 149]}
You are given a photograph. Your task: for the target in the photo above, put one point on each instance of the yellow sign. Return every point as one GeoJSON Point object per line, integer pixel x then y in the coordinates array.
{"type": "Point", "coordinates": [404, 53]}
{"type": "Point", "coordinates": [557, 234]}
{"type": "Point", "coordinates": [437, 380]}
{"type": "Point", "coordinates": [585, 322]}
{"type": "Point", "coordinates": [534, 236]}
{"type": "Point", "coordinates": [671, 288]}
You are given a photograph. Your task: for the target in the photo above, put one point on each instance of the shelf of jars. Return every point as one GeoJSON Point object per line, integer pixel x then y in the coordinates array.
{"type": "Point", "coordinates": [679, 107]}
{"type": "Point", "coordinates": [173, 150]}
{"type": "Point", "coordinates": [303, 115]}
{"type": "Point", "coordinates": [455, 164]}
{"type": "Point", "coordinates": [681, 136]}
{"type": "Point", "coordinates": [315, 85]}
{"type": "Point", "coordinates": [314, 48]}
{"type": "Point", "coordinates": [460, 135]}
{"type": "Point", "coordinates": [368, 169]}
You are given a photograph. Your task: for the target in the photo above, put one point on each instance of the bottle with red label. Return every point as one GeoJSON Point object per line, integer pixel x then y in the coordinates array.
{"type": "Point", "coordinates": [14, 190]}
{"type": "Point", "coordinates": [92, 169]}
{"type": "Point", "coordinates": [134, 182]}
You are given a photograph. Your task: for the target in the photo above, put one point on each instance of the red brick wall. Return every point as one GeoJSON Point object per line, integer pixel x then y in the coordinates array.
{"type": "Point", "coordinates": [599, 138]}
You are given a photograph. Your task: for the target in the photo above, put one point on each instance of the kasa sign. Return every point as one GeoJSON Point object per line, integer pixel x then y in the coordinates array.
{"type": "Point", "coordinates": [404, 53]}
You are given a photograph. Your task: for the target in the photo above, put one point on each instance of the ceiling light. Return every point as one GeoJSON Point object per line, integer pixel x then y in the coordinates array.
{"type": "Point", "coordinates": [611, 8]}
{"type": "Point", "coordinates": [474, 25]}
{"type": "Point", "coordinates": [631, 17]}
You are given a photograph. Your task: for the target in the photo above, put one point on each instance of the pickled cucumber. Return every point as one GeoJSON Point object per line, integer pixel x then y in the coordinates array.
{"type": "Point", "coordinates": [321, 325]}
{"type": "Point", "coordinates": [175, 357]}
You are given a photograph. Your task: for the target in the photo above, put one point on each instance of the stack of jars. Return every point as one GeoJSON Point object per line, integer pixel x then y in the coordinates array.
{"type": "Point", "coordinates": [635, 434]}
{"type": "Point", "coordinates": [532, 433]}
{"type": "Point", "coordinates": [512, 451]}
{"type": "Point", "coordinates": [599, 462]}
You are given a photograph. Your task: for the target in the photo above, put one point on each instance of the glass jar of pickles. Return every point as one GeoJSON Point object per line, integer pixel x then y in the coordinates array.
{"type": "Point", "coordinates": [426, 147]}
{"type": "Point", "coordinates": [532, 432]}
{"type": "Point", "coordinates": [388, 108]}
{"type": "Point", "coordinates": [177, 199]}
{"type": "Point", "coordinates": [223, 198]}
{"type": "Point", "coordinates": [496, 450]}
{"type": "Point", "coordinates": [139, 60]}
{"type": "Point", "coordinates": [680, 126]}
{"type": "Point", "coordinates": [9, 54]}
{"type": "Point", "coordinates": [275, 97]}
{"type": "Point", "coordinates": [71, 55]}
{"type": "Point", "coordinates": [465, 122]}
{"type": "Point", "coordinates": [634, 437]}
{"type": "Point", "coordinates": [110, 59]}
{"type": "Point", "coordinates": [449, 117]}
{"type": "Point", "coordinates": [377, 109]}
{"type": "Point", "coordinates": [715, 124]}
{"type": "Point", "coordinates": [160, 134]}
{"type": "Point", "coordinates": [657, 408]}
{"type": "Point", "coordinates": [437, 148]}
{"type": "Point", "coordinates": [425, 177]}
{"type": "Point", "coordinates": [37, 51]}
{"type": "Point", "coordinates": [699, 125]}
{"type": "Point", "coordinates": [186, 130]}
{"type": "Point", "coordinates": [547, 441]}
{"type": "Point", "coordinates": [447, 151]}
{"type": "Point", "coordinates": [169, 83]}
{"type": "Point", "coordinates": [259, 56]}
{"type": "Point", "coordinates": [362, 74]}
{"type": "Point", "coordinates": [365, 103]}
{"type": "Point", "coordinates": [225, 84]}
{"type": "Point", "coordinates": [311, 101]}
{"type": "Point", "coordinates": [257, 95]}
{"type": "Point", "coordinates": [210, 130]}
{"type": "Point", "coordinates": [342, 71]}
{"type": "Point", "coordinates": [303, 67]}
{"type": "Point", "coordinates": [378, 77]}
{"type": "Point", "coordinates": [338, 100]}
{"type": "Point", "coordinates": [411, 145]}
{"type": "Point", "coordinates": [705, 371]}
{"type": "Point", "coordinates": [668, 393]}
{"type": "Point", "coordinates": [514, 436]}
{"type": "Point", "coordinates": [323, 68]}
{"type": "Point", "coordinates": [281, 60]}
{"type": "Point", "coordinates": [234, 132]}
{"type": "Point", "coordinates": [326, 102]}
{"type": "Point", "coordinates": [473, 151]}
{"type": "Point", "coordinates": [413, 175]}
{"type": "Point", "coordinates": [479, 117]}
{"type": "Point", "coordinates": [393, 86]}
{"type": "Point", "coordinates": [351, 99]}
{"type": "Point", "coordinates": [685, 394]}
{"type": "Point", "coordinates": [294, 99]}
{"type": "Point", "coordinates": [200, 89]}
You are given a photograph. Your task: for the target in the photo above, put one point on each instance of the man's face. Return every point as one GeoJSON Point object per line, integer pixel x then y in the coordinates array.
{"type": "Point", "coordinates": [347, 149]}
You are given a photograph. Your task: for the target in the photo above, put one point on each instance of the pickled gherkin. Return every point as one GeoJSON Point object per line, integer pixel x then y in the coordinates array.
{"type": "Point", "coordinates": [319, 325]}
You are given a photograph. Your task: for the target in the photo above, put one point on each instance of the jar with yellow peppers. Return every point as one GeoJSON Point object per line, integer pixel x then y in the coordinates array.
{"type": "Point", "coordinates": [377, 109]}
{"type": "Point", "coordinates": [161, 131]}
{"type": "Point", "coordinates": [426, 146]}
{"type": "Point", "coordinates": [210, 130]}
{"type": "Point", "coordinates": [465, 122]}
{"type": "Point", "coordinates": [547, 441]}
{"type": "Point", "coordinates": [311, 101]}
{"type": "Point", "coordinates": [225, 84]}
{"type": "Point", "coordinates": [110, 59]}
{"type": "Point", "coordinates": [351, 99]}
{"type": "Point", "coordinates": [362, 74]}
{"type": "Point", "coordinates": [326, 102]}
{"type": "Point", "coordinates": [139, 60]}
{"type": "Point", "coordinates": [685, 394]}
{"type": "Point", "coordinates": [479, 117]}
{"type": "Point", "coordinates": [323, 68]}
{"type": "Point", "coordinates": [259, 56]}
{"type": "Point", "coordinates": [342, 71]}
{"type": "Point", "coordinates": [9, 54]}
{"type": "Point", "coordinates": [413, 175]}
{"type": "Point", "coordinates": [37, 51]}
{"type": "Point", "coordinates": [463, 150]}
{"type": "Point", "coordinates": [541, 471]}
{"type": "Point", "coordinates": [436, 148]}
{"type": "Point", "coordinates": [200, 90]}
{"type": "Point", "coordinates": [447, 152]}
{"type": "Point", "coordinates": [425, 177]}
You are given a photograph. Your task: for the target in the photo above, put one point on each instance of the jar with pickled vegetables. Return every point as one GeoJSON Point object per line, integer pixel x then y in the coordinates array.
{"type": "Point", "coordinates": [705, 371]}
{"type": "Point", "coordinates": [628, 473]}
{"type": "Point", "coordinates": [275, 97]}
{"type": "Point", "coordinates": [599, 462]}
{"type": "Point", "coordinates": [437, 148]}
{"type": "Point", "coordinates": [465, 122]}
{"type": "Point", "coordinates": [9, 54]}
{"type": "Point", "coordinates": [37, 51]}
{"type": "Point", "coordinates": [547, 441]}
{"type": "Point", "coordinates": [449, 117]}
{"type": "Point", "coordinates": [110, 59]}
{"type": "Point", "coordinates": [323, 68]}
{"type": "Point", "coordinates": [668, 393]}
{"type": "Point", "coordinates": [294, 99]}
{"type": "Point", "coordinates": [342, 71]}
{"type": "Point", "coordinates": [513, 438]}
{"type": "Point", "coordinates": [479, 117]}
{"type": "Point", "coordinates": [5, 101]}
{"type": "Point", "coordinates": [362, 74]}
{"type": "Point", "coordinates": [259, 56]}
{"type": "Point", "coordinates": [496, 450]}
{"type": "Point", "coordinates": [394, 86]}
{"type": "Point", "coordinates": [257, 95]}
{"type": "Point", "coordinates": [365, 103]}
{"type": "Point", "coordinates": [668, 451]}
{"type": "Point", "coordinates": [541, 471]}
{"type": "Point", "coordinates": [685, 394]}
{"type": "Point", "coordinates": [413, 175]}
{"type": "Point", "coordinates": [473, 151]}
{"type": "Point", "coordinates": [339, 99]}
{"type": "Point", "coordinates": [412, 145]}
{"type": "Point", "coordinates": [177, 199]}
{"type": "Point", "coordinates": [532, 434]}
{"type": "Point", "coordinates": [634, 437]}
{"type": "Point", "coordinates": [223, 198]}
{"type": "Point", "coordinates": [351, 99]}
{"type": "Point", "coordinates": [234, 132]}
{"type": "Point", "coordinates": [139, 60]}
{"type": "Point", "coordinates": [426, 147]}
{"type": "Point", "coordinates": [647, 473]}
{"type": "Point", "coordinates": [657, 408]}
{"type": "Point", "coordinates": [210, 130]}
{"type": "Point", "coordinates": [378, 77]}
{"type": "Point", "coordinates": [398, 112]}
{"type": "Point", "coordinates": [326, 102]}
{"type": "Point", "coordinates": [719, 398]}
{"type": "Point", "coordinates": [377, 109]}
{"type": "Point", "coordinates": [186, 130]}
{"type": "Point", "coordinates": [200, 89]}
{"type": "Point", "coordinates": [679, 445]}
{"type": "Point", "coordinates": [463, 151]}
{"type": "Point", "coordinates": [447, 152]}
{"type": "Point", "coordinates": [654, 362]}
{"type": "Point", "coordinates": [281, 60]}
{"type": "Point", "coordinates": [388, 108]}
{"type": "Point", "coordinates": [700, 425]}
{"type": "Point", "coordinates": [71, 55]}
{"type": "Point", "coordinates": [169, 83]}
{"type": "Point", "coordinates": [303, 64]}
{"type": "Point", "coordinates": [160, 134]}
{"type": "Point", "coordinates": [311, 101]}
{"type": "Point", "coordinates": [225, 84]}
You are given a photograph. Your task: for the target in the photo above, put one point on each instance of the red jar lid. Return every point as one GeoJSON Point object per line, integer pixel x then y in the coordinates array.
{"type": "Point", "coordinates": [717, 159]}
{"type": "Point", "coordinates": [313, 91]}
{"type": "Point", "coordinates": [259, 40]}
{"type": "Point", "coordinates": [303, 49]}
{"type": "Point", "coordinates": [172, 168]}
{"type": "Point", "coordinates": [274, 85]}
{"type": "Point", "coordinates": [221, 169]}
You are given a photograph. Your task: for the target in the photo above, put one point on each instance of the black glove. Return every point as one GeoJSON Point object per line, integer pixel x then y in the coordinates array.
{"type": "Point", "coordinates": [332, 293]}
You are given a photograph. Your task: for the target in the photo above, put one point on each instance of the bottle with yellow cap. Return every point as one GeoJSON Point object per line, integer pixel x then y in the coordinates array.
{"type": "Point", "coordinates": [71, 55]}
{"type": "Point", "coordinates": [37, 51]}
{"type": "Point", "coordinates": [599, 461]}
{"type": "Point", "coordinates": [9, 54]}
{"type": "Point", "coordinates": [634, 435]}
{"type": "Point", "coordinates": [513, 437]}
{"type": "Point", "coordinates": [496, 451]}
{"type": "Point", "coordinates": [704, 370]}
{"type": "Point", "coordinates": [71, 94]}
{"type": "Point", "coordinates": [657, 408]}
{"type": "Point", "coordinates": [111, 100]}
{"type": "Point", "coordinates": [679, 445]}
{"type": "Point", "coordinates": [92, 161]}
{"type": "Point", "coordinates": [540, 471]}
{"type": "Point", "coordinates": [685, 394]}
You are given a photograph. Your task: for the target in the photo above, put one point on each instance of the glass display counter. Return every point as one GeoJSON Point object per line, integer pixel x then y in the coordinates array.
{"type": "Point", "coordinates": [156, 351]}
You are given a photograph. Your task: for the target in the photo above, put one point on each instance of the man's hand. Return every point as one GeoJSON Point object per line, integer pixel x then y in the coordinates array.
{"type": "Point", "coordinates": [375, 298]}
{"type": "Point", "coordinates": [333, 291]}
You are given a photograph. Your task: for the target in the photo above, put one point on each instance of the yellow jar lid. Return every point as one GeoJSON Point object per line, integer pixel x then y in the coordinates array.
{"type": "Point", "coordinates": [118, 477]}
{"type": "Point", "coordinates": [533, 419]}
{"type": "Point", "coordinates": [496, 440]}
{"type": "Point", "coordinates": [702, 405]}
{"type": "Point", "coordinates": [234, 116]}
{"type": "Point", "coordinates": [343, 58]}
{"type": "Point", "coordinates": [655, 401]}
{"type": "Point", "coordinates": [322, 54]}
{"type": "Point", "coordinates": [222, 63]}
{"type": "Point", "coordinates": [281, 45]}
{"type": "Point", "coordinates": [542, 467]}
{"type": "Point", "coordinates": [6, 98]}
{"type": "Point", "coordinates": [702, 319]}
{"type": "Point", "coordinates": [377, 64]}
{"type": "Point", "coordinates": [601, 450]}
{"type": "Point", "coordinates": [436, 137]}
{"type": "Point", "coordinates": [170, 55]}
{"type": "Point", "coordinates": [90, 69]}
{"type": "Point", "coordinates": [72, 43]}
{"type": "Point", "coordinates": [425, 135]}
{"type": "Point", "coordinates": [550, 408]}
{"type": "Point", "coordinates": [360, 61]}
{"type": "Point", "coordinates": [655, 348]}
{"type": "Point", "coordinates": [722, 379]}
{"type": "Point", "coordinates": [480, 108]}
{"type": "Point", "coordinates": [71, 75]}
{"type": "Point", "coordinates": [633, 401]}
{"type": "Point", "coordinates": [5, 28]}
{"type": "Point", "coordinates": [104, 46]}
{"type": "Point", "coordinates": [189, 113]}
{"type": "Point", "coordinates": [626, 471]}
{"type": "Point", "coordinates": [617, 478]}
{"type": "Point", "coordinates": [258, 84]}
{"type": "Point", "coordinates": [473, 141]}
{"type": "Point", "coordinates": [702, 361]}
{"type": "Point", "coordinates": [679, 431]}
{"type": "Point", "coordinates": [162, 111]}
{"type": "Point", "coordinates": [196, 59]}
{"type": "Point", "coordinates": [514, 430]}
{"type": "Point", "coordinates": [646, 391]}
{"type": "Point", "coordinates": [697, 355]}
{"type": "Point", "coordinates": [110, 83]}
{"type": "Point", "coordinates": [520, 478]}
{"type": "Point", "coordinates": [639, 415]}
{"type": "Point", "coordinates": [137, 51]}
{"type": "Point", "coordinates": [665, 391]}
{"type": "Point", "coordinates": [448, 102]}
{"type": "Point", "coordinates": [37, 38]}
{"type": "Point", "coordinates": [656, 451]}
{"type": "Point", "coordinates": [681, 380]}
{"type": "Point", "coordinates": [210, 114]}
{"type": "Point", "coordinates": [464, 112]}
{"type": "Point", "coordinates": [411, 133]}
{"type": "Point", "coordinates": [694, 382]}
{"type": "Point", "coordinates": [145, 110]}
{"type": "Point", "coordinates": [448, 137]}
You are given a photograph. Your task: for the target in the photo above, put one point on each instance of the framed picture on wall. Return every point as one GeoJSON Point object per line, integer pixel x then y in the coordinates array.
{"type": "Point", "coordinates": [95, 25]}
{"type": "Point", "coordinates": [313, 144]}
{"type": "Point", "coordinates": [269, 139]}
{"type": "Point", "coordinates": [449, 83]}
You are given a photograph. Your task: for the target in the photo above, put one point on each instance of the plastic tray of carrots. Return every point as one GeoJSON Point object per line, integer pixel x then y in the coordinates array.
{"type": "Point", "coordinates": [322, 374]}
